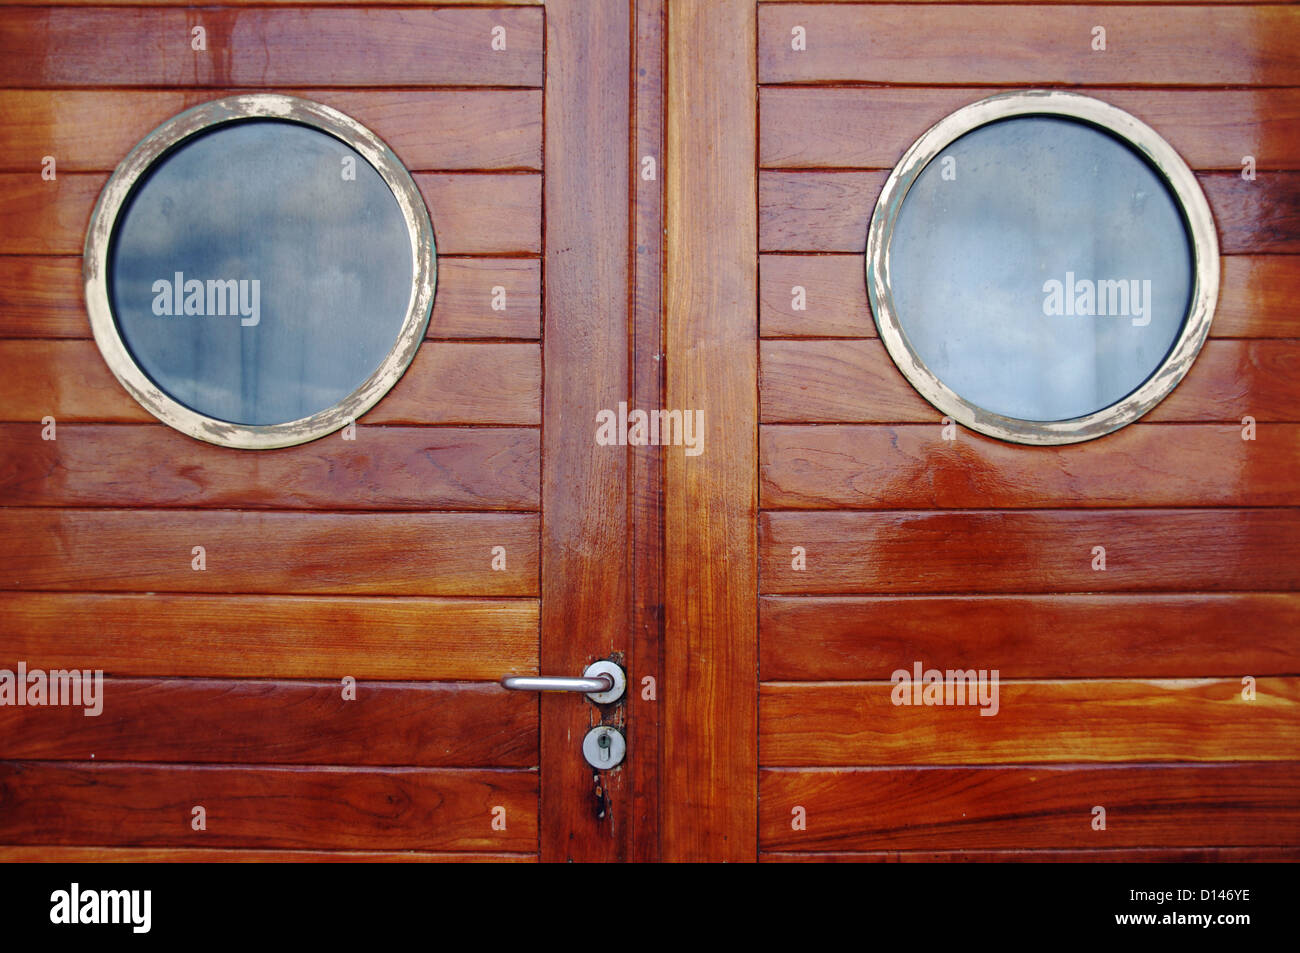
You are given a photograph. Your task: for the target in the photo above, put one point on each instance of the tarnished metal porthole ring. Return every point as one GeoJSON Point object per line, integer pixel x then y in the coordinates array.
{"type": "Point", "coordinates": [1162, 158]}
{"type": "Point", "coordinates": [118, 190]}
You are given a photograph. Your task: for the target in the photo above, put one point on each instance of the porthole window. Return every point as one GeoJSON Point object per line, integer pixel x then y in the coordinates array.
{"type": "Point", "coordinates": [1043, 267]}
{"type": "Point", "coordinates": [259, 271]}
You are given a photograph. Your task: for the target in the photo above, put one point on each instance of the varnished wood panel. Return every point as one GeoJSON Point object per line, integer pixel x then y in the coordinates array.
{"type": "Point", "coordinates": [140, 46]}
{"type": "Point", "coordinates": [856, 382]}
{"type": "Point", "coordinates": [272, 552]}
{"type": "Point", "coordinates": [1256, 296]}
{"type": "Point", "coordinates": [384, 468]}
{"type": "Point", "coordinates": [92, 130]}
{"type": "Point", "coordinates": [1044, 45]}
{"type": "Point", "coordinates": [1079, 720]}
{"type": "Point", "coordinates": [585, 590]}
{"type": "Point", "coordinates": [265, 807]}
{"type": "Point", "coordinates": [1037, 806]}
{"type": "Point", "coordinates": [1060, 636]}
{"type": "Point", "coordinates": [830, 211]}
{"type": "Point", "coordinates": [467, 287]}
{"type": "Point", "coordinates": [447, 383]}
{"type": "Point", "coordinates": [709, 686]}
{"type": "Point", "coordinates": [914, 467]}
{"type": "Point", "coordinates": [1031, 551]}
{"type": "Point", "coordinates": [833, 301]}
{"type": "Point", "coordinates": [42, 297]}
{"type": "Point", "coordinates": [853, 127]}
{"type": "Point", "coordinates": [645, 464]}
{"type": "Point", "coordinates": [250, 636]}
{"type": "Point", "coordinates": [204, 855]}
{"type": "Point", "coordinates": [1133, 855]}
{"type": "Point", "coordinates": [472, 213]}
{"type": "Point", "coordinates": [204, 721]}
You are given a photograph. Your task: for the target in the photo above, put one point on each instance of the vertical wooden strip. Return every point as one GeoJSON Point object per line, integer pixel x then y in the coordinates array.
{"type": "Point", "coordinates": [585, 335]}
{"type": "Point", "coordinates": [711, 685]}
{"type": "Point", "coordinates": [647, 531]}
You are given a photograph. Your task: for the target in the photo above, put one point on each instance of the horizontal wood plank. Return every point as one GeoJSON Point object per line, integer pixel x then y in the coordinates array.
{"type": "Point", "coordinates": [1031, 551]}
{"type": "Point", "coordinates": [92, 130]}
{"type": "Point", "coordinates": [447, 383]}
{"type": "Point", "coordinates": [811, 381]}
{"type": "Point", "coordinates": [830, 211]}
{"type": "Point", "coordinates": [1040, 806]}
{"type": "Point", "coordinates": [207, 721]}
{"type": "Point", "coordinates": [141, 46]}
{"type": "Point", "coordinates": [384, 468]}
{"type": "Point", "coordinates": [42, 297]}
{"type": "Point", "coordinates": [914, 467]}
{"type": "Point", "coordinates": [1044, 45]}
{"type": "Point", "coordinates": [473, 213]}
{"type": "Point", "coordinates": [1256, 296]}
{"type": "Point", "coordinates": [1132, 855]}
{"type": "Point", "coordinates": [10, 854]}
{"type": "Point", "coordinates": [435, 554]}
{"type": "Point", "coordinates": [1117, 635]}
{"type": "Point", "coordinates": [247, 636]}
{"type": "Point", "coordinates": [871, 128]}
{"type": "Point", "coordinates": [465, 303]}
{"type": "Point", "coordinates": [267, 807]}
{"type": "Point", "coordinates": [1080, 720]}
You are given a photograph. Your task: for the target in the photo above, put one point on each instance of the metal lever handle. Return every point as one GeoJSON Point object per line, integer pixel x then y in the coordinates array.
{"type": "Point", "coordinates": [603, 682]}
{"type": "Point", "coordinates": [557, 683]}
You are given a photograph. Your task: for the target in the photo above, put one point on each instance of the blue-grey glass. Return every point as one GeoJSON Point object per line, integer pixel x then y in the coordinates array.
{"type": "Point", "coordinates": [302, 262]}
{"type": "Point", "coordinates": [996, 246]}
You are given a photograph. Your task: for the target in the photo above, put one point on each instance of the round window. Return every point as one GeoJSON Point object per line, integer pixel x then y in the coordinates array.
{"type": "Point", "coordinates": [1043, 267]}
{"type": "Point", "coordinates": [259, 271]}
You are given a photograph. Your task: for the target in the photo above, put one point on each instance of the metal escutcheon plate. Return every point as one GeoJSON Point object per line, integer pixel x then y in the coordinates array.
{"type": "Point", "coordinates": [604, 747]}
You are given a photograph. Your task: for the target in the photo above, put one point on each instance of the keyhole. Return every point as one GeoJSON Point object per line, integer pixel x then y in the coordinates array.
{"type": "Point", "coordinates": [603, 744]}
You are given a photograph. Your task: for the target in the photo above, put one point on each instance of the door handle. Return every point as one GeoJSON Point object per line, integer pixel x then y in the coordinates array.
{"type": "Point", "coordinates": [603, 682]}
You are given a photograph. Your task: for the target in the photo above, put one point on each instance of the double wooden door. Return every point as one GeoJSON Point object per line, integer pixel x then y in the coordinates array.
{"type": "Point", "coordinates": [624, 195]}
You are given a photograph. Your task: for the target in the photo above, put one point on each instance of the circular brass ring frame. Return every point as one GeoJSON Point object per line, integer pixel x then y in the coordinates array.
{"type": "Point", "coordinates": [118, 190]}
{"type": "Point", "coordinates": [1163, 159]}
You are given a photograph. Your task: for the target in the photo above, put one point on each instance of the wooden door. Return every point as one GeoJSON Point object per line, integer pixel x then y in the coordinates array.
{"type": "Point", "coordinates": [645, 181]}
{"type": "Point", "coordinates": [473, 528]}
{"type": "Point", "coordinates": [1127, 689]}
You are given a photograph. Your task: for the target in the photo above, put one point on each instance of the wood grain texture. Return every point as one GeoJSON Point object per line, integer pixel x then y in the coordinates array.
{"type": "Point", "coordinates": [250, 636]}
{"type": "Point", "coordinates": [1133, 855]}
{"type": "Point", "coordinates": [645, 464]}
{"type": "Point", "coordinates": [136, 805]}
{"type": "Point", "coordinates": [42, 297]}
{"type": "Point", "coordinates": [1079, 720]}
{"type": "Point", "coordinates": [447, 383]}
{"type": "Point", "coordinates": [1040, 806]}
{"type": "Point", "coordinates": [384, 468]}
{"type": "Point", "coordinates": [710, 668]}
{"type": "Point", "coordinates": [433, 554]}
{"type": "Point", "coordinates": [1256, 295]}
{"type": "Point", "coordinates": [1031, 551]}
{"type": "Point", "coordinates": [473, 213]}
{"type": "Point", "coordinates": [830, 211]}
{"type": "Point", "coordinates": [92, 130]}
{"type": "Point", "coordinates": [140, 46]}
{"type": "Point", "coordinates": [585, 592]}
{"type": "Point", "coordinates": [467, 287]}
{"type": "Point", "coordinates": [822, 638]}
{"type": "Point", "coordinates": [1043, 45]}
{"type": "Point", "coordinates": [871, 128]}
{"type": "Point", "coordinates": [208, 855]}
{"type": "Point", "coordinates": [914, 467]}
{"type": "Point", "coordinates": [206, 721]}
{"type": "Point", "coordinates": [809, 381]}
